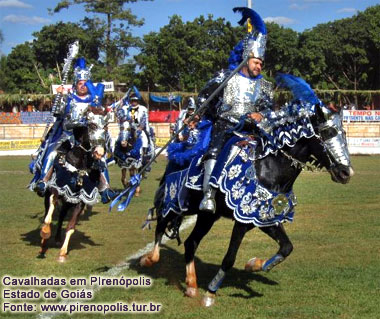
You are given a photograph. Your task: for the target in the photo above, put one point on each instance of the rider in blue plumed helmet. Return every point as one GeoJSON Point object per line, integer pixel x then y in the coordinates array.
{"type": "Point", "coordinates": [71, 113]}
{"type": "Point", "coordinates": [246, 94]}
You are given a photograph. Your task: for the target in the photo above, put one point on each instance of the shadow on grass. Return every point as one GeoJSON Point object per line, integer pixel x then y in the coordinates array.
{"type": "Point", "coordinates": [172, 268]}
{"type": "Point", "coordinates": [78, 241]}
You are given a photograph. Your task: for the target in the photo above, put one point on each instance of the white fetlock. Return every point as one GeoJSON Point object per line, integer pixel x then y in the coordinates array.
{"type": "Point", "coordinates": [254, 264]}
{"type": "Point", "coordinates": [208, 300]}
{"type": "Point", "coordinates": [191, 292]}
{"type": "Point", "coordinates": [62, 258]}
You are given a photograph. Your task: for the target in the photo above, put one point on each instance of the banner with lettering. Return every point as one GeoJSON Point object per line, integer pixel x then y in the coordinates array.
{"type": "Point", "coordinates": [361, 116]}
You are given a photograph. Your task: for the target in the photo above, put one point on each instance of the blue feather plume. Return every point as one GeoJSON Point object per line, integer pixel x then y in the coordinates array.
{"type": "Point", "coordinates": [137, 92]}
{"type": "Point", "coordinates": [81, 63]}
{"type": "Point", "coordinates": [256, 20]}
{"type": "Point", "coordinates": [300, 88]}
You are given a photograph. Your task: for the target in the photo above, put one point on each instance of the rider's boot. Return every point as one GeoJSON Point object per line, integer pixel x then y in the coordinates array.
{"type": "Point", "coordinates": [208, 202]}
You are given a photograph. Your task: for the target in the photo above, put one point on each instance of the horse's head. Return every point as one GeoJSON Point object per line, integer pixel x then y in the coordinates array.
{"type": "Point", "coordinates": [127, 134]}
{"type": "Point", "coordinates": [97, 127]}
{"type": "Point", "coordinates": [329, 129]}
{"type": "Point", "coordinates": [331, 151]}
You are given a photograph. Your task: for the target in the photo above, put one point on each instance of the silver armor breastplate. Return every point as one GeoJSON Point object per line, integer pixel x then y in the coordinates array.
{"type": "Point", "coordinates": [77, 111]}
{"type": "Point", "coordinates": [241, 96]}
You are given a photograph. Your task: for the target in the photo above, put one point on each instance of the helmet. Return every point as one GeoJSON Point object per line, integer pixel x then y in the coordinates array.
{"type": "Point", "coordinates": [254, 43]}
{"type": "Point", "coordinates": [191, 104]}
{"type": "Point", "coordinates": [134, 98]}
{"type": "Point", "coordinates": [81, 72]}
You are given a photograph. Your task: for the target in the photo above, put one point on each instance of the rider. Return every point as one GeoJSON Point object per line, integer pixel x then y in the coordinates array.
{"type": "Point", "coordinates": [182, 119]}
{"type": "Point", "coordinates": [138, 115]}
{"type": "Point", "coordinates": [246, 94]}
{"type": "Point", "coordinates": [69, 114]}
{"type": "Point", "coordinates": [194, 140]}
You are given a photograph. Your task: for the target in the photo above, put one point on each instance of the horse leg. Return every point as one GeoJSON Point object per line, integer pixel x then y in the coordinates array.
{"type": "Point", "coordinates": [61, 217]}
{"type": "Point", "coordinates": [201, 228]}
{"type": "Point", "coordinates": [44, 246]}
{"type": "Point", "coordinates": [237, 236]}
{"type": "Point", "coordinates": [70, 230]}
{"type": "Point", "coordinates": [124, 177]}
{"type": "Point", "coordinates": [278, 234]}
{"type": "Point", "coordinates": [153, 256]}
{"type": "Point", "coordinates": [45, 232]}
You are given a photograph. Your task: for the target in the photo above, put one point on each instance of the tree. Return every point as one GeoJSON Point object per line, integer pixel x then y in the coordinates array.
{"type": "Point", "coordinates": [369, 19]}
{"type": "Point", "coordinates": [282, 54]}
{"type": "Point", "coordinates": [21, 71]}
{"type": "Point", "coordinates": [3, 73]}
{"type": "Point", "coordinates": [343, 54]}
{"type": "Point", "coordinates": [183, 56]}
{"type": "Point", "coordinates": [115, 27]}
{"type": "Point", "coordinates": [51, 43]}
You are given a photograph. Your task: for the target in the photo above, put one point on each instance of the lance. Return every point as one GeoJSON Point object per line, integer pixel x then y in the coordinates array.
{"type": "Point", "coordinates": [73, 51]}
{"type": "Point", "coordinates": [135, 180]}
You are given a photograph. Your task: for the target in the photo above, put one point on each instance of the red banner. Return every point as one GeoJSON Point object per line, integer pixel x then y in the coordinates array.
{"type": "Point", "coordinates": [163, 116]}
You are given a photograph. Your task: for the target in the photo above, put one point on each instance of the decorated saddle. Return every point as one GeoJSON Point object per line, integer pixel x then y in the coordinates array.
{"type": "Point", "coordinates": [76, 185]}
{"type": "Point", "coordinates": [235, 173]}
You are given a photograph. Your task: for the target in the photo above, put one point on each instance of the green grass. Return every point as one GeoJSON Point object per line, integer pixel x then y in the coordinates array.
{"type": "Point", "coordinates": [332, 272]}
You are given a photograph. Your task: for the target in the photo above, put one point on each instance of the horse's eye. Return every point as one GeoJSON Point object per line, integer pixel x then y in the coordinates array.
{"type": "Point", "coordinates": [328, 133]}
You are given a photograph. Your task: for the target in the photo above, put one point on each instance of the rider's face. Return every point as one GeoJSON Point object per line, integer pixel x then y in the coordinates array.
{"type": "Point", "coordinates": [81, 88]}
{"type": "Point", "coordinates": [254, 67]}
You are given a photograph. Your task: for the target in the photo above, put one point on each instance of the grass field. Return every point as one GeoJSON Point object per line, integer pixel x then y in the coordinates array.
{"type": "Point", "coordinates": [333, 271]}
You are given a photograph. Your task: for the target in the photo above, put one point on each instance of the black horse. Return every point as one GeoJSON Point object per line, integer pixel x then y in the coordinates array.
{"type": "Point", "coordinates": [74, 181]}
{"type": "Point", "coordinates": [277, 172]}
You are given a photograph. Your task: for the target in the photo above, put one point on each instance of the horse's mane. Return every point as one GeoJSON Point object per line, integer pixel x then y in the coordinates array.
{"type": "Point", "coordinates": [286, 126]}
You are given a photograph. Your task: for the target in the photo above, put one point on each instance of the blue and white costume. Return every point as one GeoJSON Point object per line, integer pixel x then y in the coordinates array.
{"type": "Point", "coordinates": [72, 113]}
{"type": "Point", "coordinates": [69, 114]}
{"type": "Point", "coordinates": [241, 96]}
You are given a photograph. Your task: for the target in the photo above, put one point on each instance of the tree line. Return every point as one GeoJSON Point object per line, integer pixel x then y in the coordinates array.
{"type": "Point", "coordinates": [181, 56]}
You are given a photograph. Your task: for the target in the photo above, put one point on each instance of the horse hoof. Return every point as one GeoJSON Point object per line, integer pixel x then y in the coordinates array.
{"type": "Point", "coordinates": [208, 300]}
{"type": "Point", "coordinates": [62, 258]}
{"type": "Point", "coordinates": [41, 256]}
{"type": "Point", "coordinates": [254, 265]}
{"type": "Point", "coordinates": [147, 261]}
{"type": "Point", "coordinates": [191, 292]}
{"type": "Point", "coordinates": [45, 232]}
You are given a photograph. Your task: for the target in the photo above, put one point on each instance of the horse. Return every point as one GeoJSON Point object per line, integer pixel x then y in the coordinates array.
{"type": "Point", "coordinates": [75, 179]}
{"type": "Point", "coordinates": [128, 152]}
{"type": "Point", "coordinates": [270, 163]}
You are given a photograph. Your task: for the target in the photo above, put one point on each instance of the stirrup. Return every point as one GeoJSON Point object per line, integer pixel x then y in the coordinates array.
{"type": "Point", "coordinates": [208, 203]}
